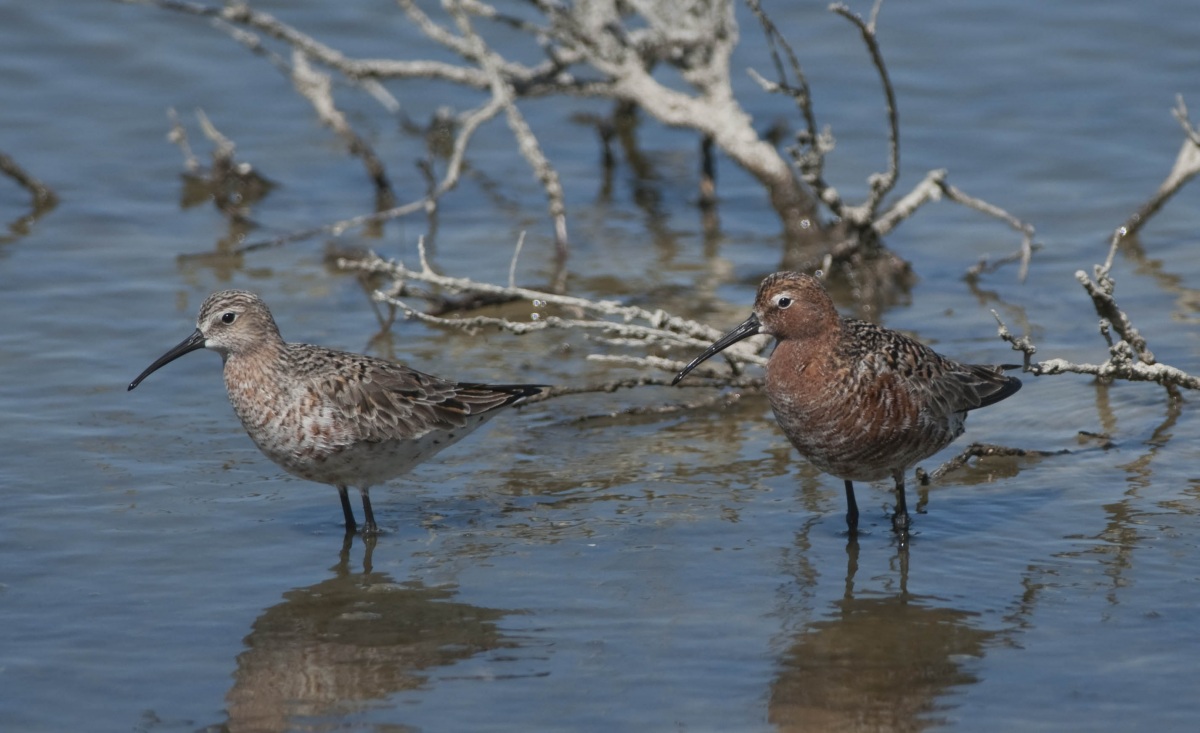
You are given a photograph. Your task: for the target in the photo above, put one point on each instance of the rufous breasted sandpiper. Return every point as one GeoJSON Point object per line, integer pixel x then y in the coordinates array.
{"type": "Point", "coordinates": [859, 401]}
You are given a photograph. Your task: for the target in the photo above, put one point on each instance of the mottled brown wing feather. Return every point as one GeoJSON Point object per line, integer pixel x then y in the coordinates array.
{"type": "Point", "coordinates": [395, 402]}
{"type": "Point", "coordinates": [946, 386]}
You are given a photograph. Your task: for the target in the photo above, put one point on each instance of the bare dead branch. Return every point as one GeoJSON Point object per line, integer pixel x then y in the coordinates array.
{"type": "Point", "coordinates": [1026, 230]}
{"type": "Point", "coordinates": [469, 124]}
{"type": "Point", "coordinates": [240, 13]}
{"type": "Point", "coordinates": [224, 147]}
{"type": "Point", "coordinates": [610, 49]}
{"type": "Point", "coordinates": [1130, 357]}
{"type": "Point", "coordinates": [1122, 363]}
{"type": "Point", "coordinates": [633, 333]}
{"type": "Point", "coordinates": [622, 45]}
{"type": "Point", "coordinates": [881, 183]}
{"type": "Point", "coordinates": [178, 135]}
{"type": "Point", "coordinates": [317, 87]}
{"type": "Point", "coordinates": [1101, 291]}
{"type": "Point", "coordinates": [1187, 165]}
{"type": "Point", "coordinates": [935, 186]}
{"type": "Point", "coordinates": [811, 145]}
{"type": "Point", "coordinates": [631, 320]}
{"type": "Point", "coordinates": [527, 143]}
{"type": "Point", "coordinates": [609, 322]}
{"type": "Point", "coordinates": [1180, 113]}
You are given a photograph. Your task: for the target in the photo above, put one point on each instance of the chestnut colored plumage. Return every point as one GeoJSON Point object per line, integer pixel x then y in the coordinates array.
{"type": "Point", "coordinates": [331, 416]}
{"type": "Point", "coordinates": [859, 401]}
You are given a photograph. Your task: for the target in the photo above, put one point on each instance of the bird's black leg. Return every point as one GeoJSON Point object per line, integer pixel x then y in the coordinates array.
{"type": "Point", "coordinates": [851, 509]}
{"type": "Point", "coordinates": [900, 519]}
{"type": "Point", "coordinates": [369, 527]}
{"type": "Point", "coordinates": [347, 512]}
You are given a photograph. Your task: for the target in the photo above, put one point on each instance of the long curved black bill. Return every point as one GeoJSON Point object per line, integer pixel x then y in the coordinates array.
{"type": "Point", "coordinates": [187, 346]}
{"type": "Point", "coordinates": [745, 329]}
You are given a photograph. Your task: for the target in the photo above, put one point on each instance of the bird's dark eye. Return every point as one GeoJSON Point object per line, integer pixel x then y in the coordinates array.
{"type": "Point", "coordinates": [783, 302]}
{"type": "Point", "coordinates": [228, 317]}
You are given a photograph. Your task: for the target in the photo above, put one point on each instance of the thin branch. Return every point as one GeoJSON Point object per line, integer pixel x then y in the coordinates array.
{"type": "Point", "coordinates": [881, 183]}
{"type": "Point", "coordinates": [1122, 363]}
{"type": "Point", "coordinates": [1180, 113]}
{"type": "Point", "coordinates": [512, 265]}
{"type": "Point", "coordinates": [231, 186]}
{"type": "Point", "coordinates": [316, 87]}
{"type": "Point", "coordinates": [1187, 165]}
{"type": "Point", "coordinates": [527, 142]}
{"type": "Point", "coordinates": [331, 57]}
{"type": "Point", "coordinates": [630, 331]}
{"type": "Point", "coordinates": [812, 146]}
{"type": "Point", "coordinates": [610, 322]}
{"type": "Point", "coordinates": [254, 43]}
{"type": "Point", "coordinates": [178, 135]}
{"type": "Point", "coordinates": [223, 154]}
{"type": "Point", "coordinates": [1025, 229]}
{"type": "Point", "coordinates": [470, 123]}
{"type": "Point", "coordinates": [658, 319]}
{"type": "Point", "coordinates": [933, 188]}
{"type": "Point", "coordinates": [1101, 291]}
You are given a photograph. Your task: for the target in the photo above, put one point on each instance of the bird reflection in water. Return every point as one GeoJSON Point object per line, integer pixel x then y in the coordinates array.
{"type": "Point", "coordinates": [347, 643]}
{"type": "Point", "coordinates": [879, 662]}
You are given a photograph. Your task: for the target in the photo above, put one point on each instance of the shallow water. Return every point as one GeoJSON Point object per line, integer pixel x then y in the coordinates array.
{"type": "Point", "coordinates": [684, 572]}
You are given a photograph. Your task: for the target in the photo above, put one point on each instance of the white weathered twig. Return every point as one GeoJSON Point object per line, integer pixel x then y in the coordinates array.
{"type": "Point", "coordinates": [512, 265]}
{"type": "Point", "coordinates": [178, 135]}
{"type": "Point", "coordinates": [1129, 355]}
{"type": "Point", "coordinates": [933, 188]}
{"type": "Point", "coordinates": [622, 325]}
{"type": "Point", "coordinates": [655, 318]}
{"type": "Point", "coordinates": [631, 333]}
{"type": "Point", "coordinates": [1186, 166]}
{"type": "Point", "coordinates": [317, 88]}
{"type": "Point", "coordinates": [225, 148]}
{"type": "Point", "coordinates": [527, 142]}
{"type": "Point", "coordinates": [618, 48]}
{"type": "Point", "coordinates": [469, 124]}
{"type": "Point", "coordinates": [1129, 358]}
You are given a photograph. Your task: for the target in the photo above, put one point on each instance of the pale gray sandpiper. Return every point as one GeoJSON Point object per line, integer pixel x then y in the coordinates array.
{"type": "Point", "coordinates": [859, 401]}
{"type": "Point", "coordinates": [332, 416]}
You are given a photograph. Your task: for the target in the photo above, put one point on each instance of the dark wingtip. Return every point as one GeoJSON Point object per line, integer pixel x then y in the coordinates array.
{"type": "Point", "coordinates": [514, 391]}
{"type": "Point", "coordinates": [1006, 387]}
